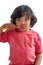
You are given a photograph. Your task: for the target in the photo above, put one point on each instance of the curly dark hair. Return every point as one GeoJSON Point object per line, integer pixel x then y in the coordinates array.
{"type": "Point", "coordinates": [21, 11]}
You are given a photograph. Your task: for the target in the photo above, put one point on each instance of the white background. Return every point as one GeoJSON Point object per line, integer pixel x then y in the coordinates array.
{"type": "Point", "coordinates": [6, 9]}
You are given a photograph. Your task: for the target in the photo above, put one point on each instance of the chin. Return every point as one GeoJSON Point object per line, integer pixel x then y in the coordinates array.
{"type": "Point", "coordinates": [22, 30]}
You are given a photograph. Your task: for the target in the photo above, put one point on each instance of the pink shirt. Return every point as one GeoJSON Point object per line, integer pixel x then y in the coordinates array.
{"type": "Point", "coordinates": [23, 46]}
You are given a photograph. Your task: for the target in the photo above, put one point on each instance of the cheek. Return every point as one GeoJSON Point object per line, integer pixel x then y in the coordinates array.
{"type": "Point", "coordinates": [18, 24]}
{"type": "Point", "coordinates": [28, 24]}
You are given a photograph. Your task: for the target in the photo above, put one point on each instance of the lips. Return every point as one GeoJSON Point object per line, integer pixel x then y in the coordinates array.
{"type": "Point", "coordinates": [22, 27]}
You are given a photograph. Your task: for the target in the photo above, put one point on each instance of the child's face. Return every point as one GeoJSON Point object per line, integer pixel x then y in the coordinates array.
{"type": "Point", "coordinates": [23, 23]}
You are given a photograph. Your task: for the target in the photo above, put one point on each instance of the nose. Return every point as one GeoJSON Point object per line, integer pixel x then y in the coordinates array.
{"type": "Point", "coordinates": [23, 22]}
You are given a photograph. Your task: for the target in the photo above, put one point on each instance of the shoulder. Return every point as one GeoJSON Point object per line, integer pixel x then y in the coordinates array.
{"type": "Point", "coordinates": [36, 35]}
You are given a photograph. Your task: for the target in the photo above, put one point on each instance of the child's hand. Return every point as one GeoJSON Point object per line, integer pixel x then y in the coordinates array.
{"type": "Point", "coordinates": [7, 26]}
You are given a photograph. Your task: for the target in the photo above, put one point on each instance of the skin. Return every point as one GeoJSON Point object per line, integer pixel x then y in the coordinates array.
{"type": "Point", "coordinates": [23, 23]}
{"type": "Point", "coordinates": [7, 26]}
{"type": "Point", "coordinates": [38, 59]}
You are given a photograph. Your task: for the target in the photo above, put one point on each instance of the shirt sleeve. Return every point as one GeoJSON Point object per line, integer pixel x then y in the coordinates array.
{"type": "Point", "coordinates": [38, 45]}
{"type": "Point", "coordinates": [4, 37]}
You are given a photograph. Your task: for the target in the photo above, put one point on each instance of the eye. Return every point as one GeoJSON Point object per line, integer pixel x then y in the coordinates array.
{"type": "Point", "coordinates": [29, 17]}
{"type": "Point", "coordinates": [18, 19]}
{"type": "Point", "coordinates": [26, 19]}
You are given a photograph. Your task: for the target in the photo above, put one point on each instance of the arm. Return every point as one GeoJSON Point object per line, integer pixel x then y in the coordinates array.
{"type": "Point", "coordinates": [38, 59]}
{"type": "Point", "coordinates": [4, 35]}
{"type": "Point", "coordinates": [38, 50]}
{"type": "Point", "coordinates": [7, 26]}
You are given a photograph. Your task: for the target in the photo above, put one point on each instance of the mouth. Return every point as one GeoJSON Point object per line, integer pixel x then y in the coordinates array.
{"type": "Point", "coordinates": [22, 27]}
